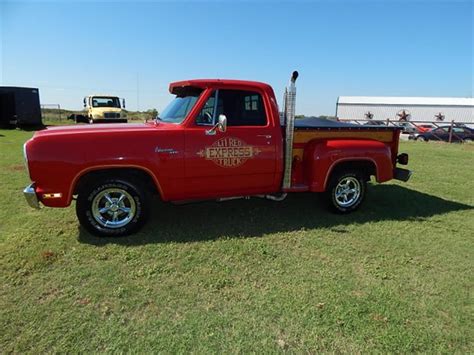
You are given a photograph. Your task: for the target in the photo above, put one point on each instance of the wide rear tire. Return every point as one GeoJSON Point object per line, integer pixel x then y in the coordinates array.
{"type": "Point", "coordinates": [113, 207]}
{"type": "Point", "coordinates": [346, 191]}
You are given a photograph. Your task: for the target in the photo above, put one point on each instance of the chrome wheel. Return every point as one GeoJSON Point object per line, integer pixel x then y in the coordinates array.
{"type": "Point", "coordinates": [347, 191]}
{"type": "Point", "coordinates": [113, 208]}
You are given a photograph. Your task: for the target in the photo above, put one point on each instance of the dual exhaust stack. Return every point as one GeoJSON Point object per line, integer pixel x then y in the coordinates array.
{"type": "Point", "coordinates": [289, 106]}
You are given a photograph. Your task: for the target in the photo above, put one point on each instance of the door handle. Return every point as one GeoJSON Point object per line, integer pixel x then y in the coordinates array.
{"type": "Point", "coordinates": [267, 136]}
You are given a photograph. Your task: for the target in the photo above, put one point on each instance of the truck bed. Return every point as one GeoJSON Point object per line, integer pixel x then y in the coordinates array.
{"type": "Point", "coordinates": [310, 128]}
{"type": "Point", "coordinates": [325, 124]}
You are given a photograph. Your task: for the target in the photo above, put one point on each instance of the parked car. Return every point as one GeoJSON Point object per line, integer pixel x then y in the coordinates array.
{"type": "Point", "coordinates": [422, 128]}
{"type": "Point", "coordinates": [460, 134]}
{"type": "Point", "coordinates": [407, 127]}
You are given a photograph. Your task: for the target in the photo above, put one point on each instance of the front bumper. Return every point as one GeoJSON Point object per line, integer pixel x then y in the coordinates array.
{"type": "Point", "coordinates": [30, 196]}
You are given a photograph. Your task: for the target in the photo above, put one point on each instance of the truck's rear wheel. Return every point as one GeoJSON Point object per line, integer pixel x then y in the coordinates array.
{"type": "Point", "coordinates": [346, 191]}
{"type": "Point", "coordinates": [112, 207]}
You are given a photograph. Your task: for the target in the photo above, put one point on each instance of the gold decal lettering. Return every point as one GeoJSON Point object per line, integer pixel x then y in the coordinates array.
{"type": "Point", "coordinates": [229, 152]}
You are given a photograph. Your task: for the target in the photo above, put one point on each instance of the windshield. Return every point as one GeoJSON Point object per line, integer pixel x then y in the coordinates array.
{"type": "Point", "coordinates": [178, 109]}
{"type": "Point", "coordinates": [105, 102]}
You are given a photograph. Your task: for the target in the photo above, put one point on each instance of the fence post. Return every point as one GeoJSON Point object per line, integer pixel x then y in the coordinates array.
{"type": "Point", "coordinates": [388, 121]}
{"type": "Point", "coordinates": [451, 131]}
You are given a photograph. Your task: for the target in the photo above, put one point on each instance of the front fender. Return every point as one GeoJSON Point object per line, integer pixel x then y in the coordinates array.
{"type": "Point", "coordinates": [59, 158]}
{"type": "Point", "coordinates": [323, 157]}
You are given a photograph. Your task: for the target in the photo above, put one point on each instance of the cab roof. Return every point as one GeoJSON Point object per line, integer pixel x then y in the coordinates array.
{"type": "Point", "coordinates": [211, 83]}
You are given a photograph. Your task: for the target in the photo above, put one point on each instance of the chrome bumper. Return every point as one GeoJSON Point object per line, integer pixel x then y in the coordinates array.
{"type": "Point", "coordinates": [30, 196]}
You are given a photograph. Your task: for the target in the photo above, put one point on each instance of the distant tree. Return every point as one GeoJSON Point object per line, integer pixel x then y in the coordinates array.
{"type": "Point", "coordinates": [334, 118]}
{"type": "Point", "coordinates": [151, 114]}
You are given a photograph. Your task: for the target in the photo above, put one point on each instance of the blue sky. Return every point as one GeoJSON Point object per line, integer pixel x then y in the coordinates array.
{"type": "Point", "coordinates": [379, 48]}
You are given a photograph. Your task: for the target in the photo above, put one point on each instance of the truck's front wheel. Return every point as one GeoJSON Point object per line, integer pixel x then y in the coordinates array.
{"type": "Point", "coordinates": [112, 207]}
{"type": "Point", "coordinates": [346, 191]}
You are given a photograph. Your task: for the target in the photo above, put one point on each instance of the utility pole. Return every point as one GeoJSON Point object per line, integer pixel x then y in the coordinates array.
{"type": "Point", "coordinates": [138, 93]}
{"type": "Point", "coordinates": [2, 31]}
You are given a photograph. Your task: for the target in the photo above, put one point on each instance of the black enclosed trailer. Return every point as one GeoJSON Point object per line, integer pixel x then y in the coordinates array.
{"type": "Point", "coordinates": [19, 106]}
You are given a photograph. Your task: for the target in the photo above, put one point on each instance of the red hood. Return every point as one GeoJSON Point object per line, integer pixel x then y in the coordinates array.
{"type": "Point", "coordinates": [104, 128]}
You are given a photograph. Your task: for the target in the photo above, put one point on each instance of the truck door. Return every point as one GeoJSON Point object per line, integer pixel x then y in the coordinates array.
{"type": "Point", "coordinates": [241, 160]}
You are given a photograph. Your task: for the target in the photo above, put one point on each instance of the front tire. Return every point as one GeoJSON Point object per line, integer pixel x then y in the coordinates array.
{"type": "Point", "coordinates": [346, 191]}
{"type": "Point", "coordinates": [112, 207]}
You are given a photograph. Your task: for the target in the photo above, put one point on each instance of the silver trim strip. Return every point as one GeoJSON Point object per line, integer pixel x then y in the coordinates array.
{"type": "Point", "coordinates": [166, 150]}
{"type": "Point", "coordinates": [25, 156]}
{"type": "Point", "coordinates": [216, 100]}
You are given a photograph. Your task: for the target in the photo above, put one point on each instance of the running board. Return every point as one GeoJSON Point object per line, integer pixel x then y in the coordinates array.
{"type": "Point", "coordinates": [273, 197]}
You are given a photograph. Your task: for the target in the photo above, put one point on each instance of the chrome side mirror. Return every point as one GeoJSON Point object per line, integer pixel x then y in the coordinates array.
{"type": "Point", "coordinates": [221, 125]}
{"type": "Point", "coordinates": [123, 103]}
{"type": "Point", "coordinates": [84, 101]}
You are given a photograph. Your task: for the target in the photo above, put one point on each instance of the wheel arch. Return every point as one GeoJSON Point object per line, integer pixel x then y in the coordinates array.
{"type": "Point", "coordinates": [138, 172]}
{"type": "Point", "coordinates": [367, 165]}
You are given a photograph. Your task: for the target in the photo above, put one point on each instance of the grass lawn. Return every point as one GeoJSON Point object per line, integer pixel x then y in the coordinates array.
{"type": "Point", "coordinates": [250, 275]}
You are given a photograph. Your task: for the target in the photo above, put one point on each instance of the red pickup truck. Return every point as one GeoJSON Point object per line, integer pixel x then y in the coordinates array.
{"type": "Point", "coordinates": [218, 139]}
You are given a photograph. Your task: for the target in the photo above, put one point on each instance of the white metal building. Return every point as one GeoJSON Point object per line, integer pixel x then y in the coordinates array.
{"type": "Point", "coordinates": [419, 108]}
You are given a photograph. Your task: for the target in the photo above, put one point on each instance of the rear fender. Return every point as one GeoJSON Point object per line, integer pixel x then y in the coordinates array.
{"type": "Point", "coordinates": [322, 158]}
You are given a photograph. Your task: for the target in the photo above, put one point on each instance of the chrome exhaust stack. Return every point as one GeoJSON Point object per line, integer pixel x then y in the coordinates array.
{"type": "Point", "coordinates": [289, 105]}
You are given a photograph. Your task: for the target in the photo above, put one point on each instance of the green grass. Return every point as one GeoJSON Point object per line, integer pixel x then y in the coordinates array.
{"type": "Point", "coordinates": [243, 276]}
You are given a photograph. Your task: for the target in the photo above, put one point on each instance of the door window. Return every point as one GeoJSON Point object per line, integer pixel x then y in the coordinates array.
{"type": "Point", "coordinates": [242, 108]}
{"type": "Point", "coordinates": [206, 117]}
